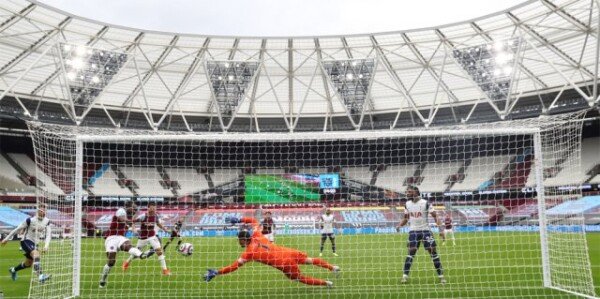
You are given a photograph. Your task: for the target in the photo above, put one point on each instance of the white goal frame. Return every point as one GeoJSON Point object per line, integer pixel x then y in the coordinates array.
{"type": "Point", "coordinates": [88, 135]}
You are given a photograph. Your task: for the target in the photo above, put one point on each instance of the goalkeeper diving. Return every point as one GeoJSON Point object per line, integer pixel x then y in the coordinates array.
{"type": "Point", "coordinates": [259, 249]}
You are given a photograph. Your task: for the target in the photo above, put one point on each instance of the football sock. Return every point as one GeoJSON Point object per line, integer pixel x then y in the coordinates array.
{"type": "Point", "coordinates": [105, 272]}
{"type": "Point", "coordinates": [36, 265]}
{"type": "Point", "coordinates": [163, 262]}
{"type": "Point", "coordinates": [408, 263]}
{"type": "Point", "coordinates": [20, 267]}
{"type": "Point", "coordinates": [437, 263]}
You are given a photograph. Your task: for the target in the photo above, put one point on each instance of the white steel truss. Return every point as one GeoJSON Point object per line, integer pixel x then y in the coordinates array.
{"type": "Point", "coordinates": [415, 80]}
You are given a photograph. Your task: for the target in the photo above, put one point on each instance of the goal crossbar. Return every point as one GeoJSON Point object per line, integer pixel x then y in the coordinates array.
{"type": "Point", "coordinates": [309, 136]}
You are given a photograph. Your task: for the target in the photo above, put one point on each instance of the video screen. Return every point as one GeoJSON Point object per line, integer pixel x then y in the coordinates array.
{"type": "Point", "coordinates": [289, 188]}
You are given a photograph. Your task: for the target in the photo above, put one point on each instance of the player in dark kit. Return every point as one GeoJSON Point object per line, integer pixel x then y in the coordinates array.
{"type": "Point", "coordinates": [175, 233]}
{"type": "Point", "coordinates": [116, 240]}
{"type": "Point", "coordinates": [268, 227]}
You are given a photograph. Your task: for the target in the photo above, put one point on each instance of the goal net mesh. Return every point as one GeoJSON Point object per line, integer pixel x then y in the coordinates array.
{"type": "Point", "coordinates": [481, 180]}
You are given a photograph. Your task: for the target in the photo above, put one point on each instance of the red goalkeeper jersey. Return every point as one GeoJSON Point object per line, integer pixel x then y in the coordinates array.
{"type": "Point", "coordinates": [262, 251]}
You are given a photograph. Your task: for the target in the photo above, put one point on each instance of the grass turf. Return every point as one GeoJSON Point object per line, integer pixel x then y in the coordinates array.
{"type": "Point", "coordinates": [491, 265]}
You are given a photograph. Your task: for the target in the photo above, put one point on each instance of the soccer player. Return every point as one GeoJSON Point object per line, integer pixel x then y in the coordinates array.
{"type": "Point", "coordinates": [326, 221]}
{"type": "Point", "coordinates": [116, 240]}
{"type": "Point", "coordinates": [147, 235]}
{"type": "Point", "coordinates": [34, 230]}
{"type": "Point", "coordinates": [259, 249]}
{"type": "Point", "coordinates": [175, 233]}
{"type": "Point", "coordinates": [448, 229]}
{"type": "Point", "coordinates": [268, 227]}
{"type": "Point", "coordinates": [416, 214]}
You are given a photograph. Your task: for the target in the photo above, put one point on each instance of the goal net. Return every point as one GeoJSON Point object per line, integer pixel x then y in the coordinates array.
{"type": "Point", "coordinates": [495, 189]}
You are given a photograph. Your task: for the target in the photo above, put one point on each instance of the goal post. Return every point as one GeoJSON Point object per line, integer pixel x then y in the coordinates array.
{"type": "Point", "coordinates": [493, 181]}
{"type": "Point", "coordinates": [541, 205]}
{"type": "Point", "coordinates": [77, 217]}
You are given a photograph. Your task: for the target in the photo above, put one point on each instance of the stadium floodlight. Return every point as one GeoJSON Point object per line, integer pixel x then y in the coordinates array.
{"type": "Point", "coordinates": [352, 80]}
{"type": "Point", "coordinates": [88, 71]}
{"type": "Point", "coordinates": [491, 66]}
{"type": "Point", "coordinates": [229, 83]}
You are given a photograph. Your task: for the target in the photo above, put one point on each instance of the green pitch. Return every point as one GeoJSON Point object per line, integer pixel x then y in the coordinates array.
{"type": "Point", "coordinates": [371, 268]}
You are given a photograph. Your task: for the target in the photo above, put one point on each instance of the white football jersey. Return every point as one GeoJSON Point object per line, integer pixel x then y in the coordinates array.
{"type": "Point", "coordinates": [34, 229]}
{"type": "Point", "coordinates": [327, 222]}
{"type": "Point", "coordinates": [418, 213]}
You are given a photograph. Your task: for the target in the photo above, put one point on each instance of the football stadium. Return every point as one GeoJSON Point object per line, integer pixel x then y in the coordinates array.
{"type": "Point", "coordinates": [456, 161]}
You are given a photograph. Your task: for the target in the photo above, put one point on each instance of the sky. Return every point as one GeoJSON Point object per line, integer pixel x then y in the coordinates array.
{"type": "Point", "coordinates": [280, 17]}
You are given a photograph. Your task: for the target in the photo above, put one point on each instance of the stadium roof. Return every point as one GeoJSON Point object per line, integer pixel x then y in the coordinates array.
{"type": "Point", "coordinates": [551, 46]}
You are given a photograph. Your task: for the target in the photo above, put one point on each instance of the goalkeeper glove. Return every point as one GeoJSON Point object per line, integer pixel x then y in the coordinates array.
{"type": "Point", "coordinates": [232, 220]}
{"type": "Point", "coordinates": [210, 274]}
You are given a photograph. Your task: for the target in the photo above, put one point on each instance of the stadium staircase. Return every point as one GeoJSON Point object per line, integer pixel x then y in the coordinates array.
{"type": "Point", "coordinates": [124, 181]}
{"type": "Point", "coordinates": [206, 173]}
{"type": "Point", "coordinates": [166, 182]}
{"type": "Point", "coordinates": [416, 178]}
{"type": "Point", "coordinates": [458, 177]}
{"type": "Point", "coordinates": [378, 168]}
{"type": "Point", "coordinates": [23, 175]}
{"type": "Point", "coordinates": [593, 173]}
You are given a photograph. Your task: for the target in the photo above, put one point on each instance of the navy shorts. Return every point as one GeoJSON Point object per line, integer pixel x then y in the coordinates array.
{"type": "Point", "coordinates": [28, 246]}
{"type": "Point", "coordinates": [325, 236]}
{"type": "Point", "coordinates": [416, 237]}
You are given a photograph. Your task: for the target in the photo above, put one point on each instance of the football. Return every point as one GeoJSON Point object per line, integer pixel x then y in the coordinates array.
{"type": "Point", "coordinates": [186, 249]}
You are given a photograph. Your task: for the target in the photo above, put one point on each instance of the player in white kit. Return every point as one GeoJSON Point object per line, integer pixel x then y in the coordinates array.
{"type": "Point", "coordinates": [326, 222]}
{"type": "Point", "coordinates": [416, 215]}
{"type": "Point", "coordinates": [35, 230]}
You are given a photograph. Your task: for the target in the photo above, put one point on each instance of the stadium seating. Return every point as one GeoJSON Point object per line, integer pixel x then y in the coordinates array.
{"type": "Point", "coordinates": [361, 174]}
{"type": "Point", "coordinates": [107, 185]}
{"type": "Point", "coordinates": [482, 173]}
{"type": "Point", "coordinates": [148, 181]}
{"type": "Point", "coordinates": [477, 215]}
{"type": "Point", "coordinates": [189, 180]}
{"type": "Point", "coordinates": [590, 153]}
{"type": "Point", "coordinates": [31, 168]}
{"type": "Point", "coordinates": [222, 176]}
{"type": "Point", "coordinates": [435, 175]}
{"type": "Point", "coordinates": [480, 170]}
{"type": "Point", "coordinates": [525, 210]}
{"type": "Point", "coordinates": [9, 177]}
{"type": "Point", "coordinates": [393, 176]}
{"type": "Point", "coordinates": [567, 171]}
